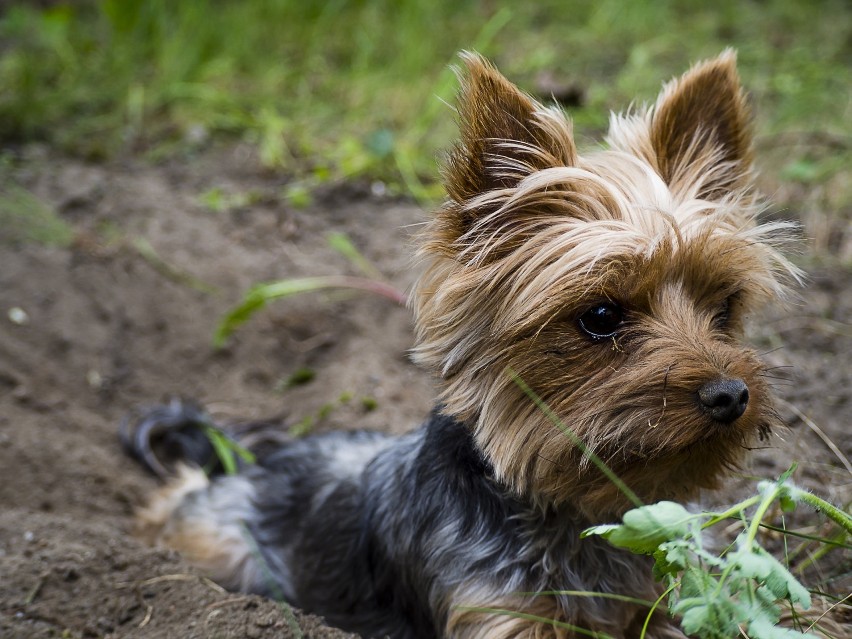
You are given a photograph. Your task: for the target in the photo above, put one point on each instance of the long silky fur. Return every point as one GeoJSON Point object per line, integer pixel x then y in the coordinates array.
{"type": "Point", "coordinates": [664, 221]}
{"type": "Point", "coordinates": [480, 509]}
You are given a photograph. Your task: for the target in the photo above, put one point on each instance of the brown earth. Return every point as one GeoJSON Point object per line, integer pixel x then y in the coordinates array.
{"type": "Point", "coordinates": [108, 326]}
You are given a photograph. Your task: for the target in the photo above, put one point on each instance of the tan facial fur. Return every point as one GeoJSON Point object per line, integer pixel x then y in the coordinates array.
{"type": "Point", "coordinates": [661, 223]}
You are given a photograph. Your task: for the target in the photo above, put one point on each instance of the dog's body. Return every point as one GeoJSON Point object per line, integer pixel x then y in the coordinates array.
{"type": "Point", "coordinates": [396, 537]}
{"type": "Point", "coordinates": [614, 287]}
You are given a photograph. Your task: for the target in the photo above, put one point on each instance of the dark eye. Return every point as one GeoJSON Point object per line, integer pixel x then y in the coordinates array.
{"type": "Point", "coordinates": [602, 320]}
{"type": "Point", "coordinates": [722, 318]}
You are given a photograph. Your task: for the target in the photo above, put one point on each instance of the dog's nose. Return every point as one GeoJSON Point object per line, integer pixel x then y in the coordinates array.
{"type": "Point", "coordinates": [725, 399]}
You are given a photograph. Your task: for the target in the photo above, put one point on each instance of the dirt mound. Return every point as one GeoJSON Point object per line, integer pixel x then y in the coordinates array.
{"type": "Point", "coordinates": [87, 579]}
{"type": "Point", "coordinates": [124, 316]}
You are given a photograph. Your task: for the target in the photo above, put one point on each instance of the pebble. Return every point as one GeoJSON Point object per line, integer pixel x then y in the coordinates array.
{"type": "Point", "coordinates": [18, 316]}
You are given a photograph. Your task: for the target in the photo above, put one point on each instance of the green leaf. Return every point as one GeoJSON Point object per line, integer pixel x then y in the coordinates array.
{"type": "Point", "coordinates": [300, 377]}
{"type": "Point", "coordinates": [707, 617]}
{"type": "Point", "coordinates": [298, 195]}
{"type": "Point", "coordinates": [696, 618]}
{"type": "Point", "coordinates": [259, 295]}
{"type": "Point", "coordinates": [214, 199]}
{"type": "Point", "coordinates": [218, 200]}
{"type": "Point", "coordinates": [303, 427]}
{"type": "Point", "coordinates": [225, 449]}
{"type": "Point", "coordinates": [671, 557]}
{"type": "Point", "coordinates": [787, 474]}
{"type": "Point", "coordinates": [695, 582]}
{"type": "Point", "coordinates": [604, 530]}
{"type": "Point", "coordinates": [763, 629]}
{"type": "Point", "coordinates": [225, 455]}
{"type": "Point", "coordinates": [765, 606]}
{"type": "Point", "coordinates": [759, 565]}
{"type": "Point", "coordinates": [645, 528]}
{"type": "Point", "coordinates": [788, 504]}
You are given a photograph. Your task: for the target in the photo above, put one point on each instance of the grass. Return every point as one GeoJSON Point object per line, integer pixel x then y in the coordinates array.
{"type": "Point", "coordinates": [344, 88]}
{"type": "Point", "coordinates": [25, 219]}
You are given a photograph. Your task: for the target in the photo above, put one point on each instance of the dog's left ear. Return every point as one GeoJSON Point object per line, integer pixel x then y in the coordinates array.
{"type": "Point", "coordinates": [700, 129]}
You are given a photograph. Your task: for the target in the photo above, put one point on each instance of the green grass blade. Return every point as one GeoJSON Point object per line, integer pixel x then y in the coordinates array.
{"type": "Point", "coordinates": [579, 443]}
{"type": "Point", "coordinates": [341, 243]}
{"type": "Point", "coordinates": [147, 251]}
{"type": "Point", "coordinates": [226, 449]}
{"type": "Point", "coordinates": [25, 219]}
{"type": "Point", "coordinates": [260, 295]}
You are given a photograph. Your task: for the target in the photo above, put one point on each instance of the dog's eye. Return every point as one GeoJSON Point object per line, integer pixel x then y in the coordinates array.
{"type": "Point", "coordinates": [722, 318]}
{"type": "Point", "coordinates": [602, 320]}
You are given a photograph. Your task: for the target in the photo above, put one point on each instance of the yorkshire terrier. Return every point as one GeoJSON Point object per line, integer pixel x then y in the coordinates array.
{"type": "Point", "coordinates": [612, 286]}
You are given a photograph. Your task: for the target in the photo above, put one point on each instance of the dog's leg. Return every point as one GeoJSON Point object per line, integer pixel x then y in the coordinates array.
{"type": "Point", "coordinates": [207, 523]}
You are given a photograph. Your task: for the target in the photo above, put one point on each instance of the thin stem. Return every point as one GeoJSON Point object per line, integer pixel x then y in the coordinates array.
{"type": "Point", "coordinates": [733, 510]}
{"type": "Point", "coordinates": [768, 498]}
{"type": "Point", "coordinates": [832, 541]}
{"type": "Point", "coordinates": [832, 512]}
{"type": "Point", "coordinates": [588, 593]}
{"type": "Point", "coordinates": [288, 287]}
{"type": "Point", "coordinates": [654, 608]}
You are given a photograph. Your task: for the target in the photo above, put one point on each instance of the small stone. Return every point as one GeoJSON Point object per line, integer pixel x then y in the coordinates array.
{"type": "Point", "coordinates": [378, 189]}
{"type": "Point", "coordinates": [95, 379]}
{"type": "Point", "coordinates": [18, 316]}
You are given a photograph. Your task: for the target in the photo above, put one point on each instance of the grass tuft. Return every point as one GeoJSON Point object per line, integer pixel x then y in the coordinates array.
{"type": "Point", "coordinates": [25, 219]}
{"type": "Point", "coordinates": [342, 88]}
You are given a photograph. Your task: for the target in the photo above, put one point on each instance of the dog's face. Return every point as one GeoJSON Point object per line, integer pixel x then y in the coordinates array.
{"type": "Point", "coordinates": [613, 285]}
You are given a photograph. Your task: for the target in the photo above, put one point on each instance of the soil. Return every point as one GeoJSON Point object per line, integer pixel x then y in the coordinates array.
{"type": "Point", "coordinates": [108, 325]}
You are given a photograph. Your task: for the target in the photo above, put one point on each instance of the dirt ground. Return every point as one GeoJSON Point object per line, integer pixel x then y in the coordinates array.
{"type": "Point", "coordinates": [107, 326]}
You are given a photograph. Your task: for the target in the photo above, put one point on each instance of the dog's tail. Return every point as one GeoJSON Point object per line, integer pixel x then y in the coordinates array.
{"type": "Point", "coordinates": [160, 437]}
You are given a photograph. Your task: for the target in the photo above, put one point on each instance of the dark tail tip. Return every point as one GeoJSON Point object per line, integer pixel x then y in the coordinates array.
{"type": "Point", "coordinates": [161, 436]}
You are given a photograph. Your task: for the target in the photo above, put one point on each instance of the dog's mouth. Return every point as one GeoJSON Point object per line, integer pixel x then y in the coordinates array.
{"type": "Point", "coordinates": [686, 429]}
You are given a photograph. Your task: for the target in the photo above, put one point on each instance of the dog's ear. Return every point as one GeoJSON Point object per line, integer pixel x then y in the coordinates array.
{"type": "Point", "coordinates": [504, 134]}
{"type": "Point", "coordinates": [700, 129]}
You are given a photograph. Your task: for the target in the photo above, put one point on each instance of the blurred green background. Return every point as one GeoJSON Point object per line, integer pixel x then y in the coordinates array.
{"type": "Point", "coordinates": [346, 89]}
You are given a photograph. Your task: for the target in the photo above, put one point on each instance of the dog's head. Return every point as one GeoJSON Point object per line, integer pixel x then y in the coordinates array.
{"type": "Point", "coordinates": [612, 284]}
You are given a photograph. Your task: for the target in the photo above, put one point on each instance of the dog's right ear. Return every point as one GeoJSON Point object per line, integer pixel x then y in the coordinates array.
{"type": "Point", "coordinates": [505, 134]}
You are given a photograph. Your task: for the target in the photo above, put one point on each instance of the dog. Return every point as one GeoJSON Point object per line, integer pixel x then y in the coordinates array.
{"type": "Point", "coordinates": [572, 306]}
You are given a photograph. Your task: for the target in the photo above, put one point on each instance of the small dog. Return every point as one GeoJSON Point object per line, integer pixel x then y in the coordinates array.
{"type": "Point", "coordinates": [614, 286]}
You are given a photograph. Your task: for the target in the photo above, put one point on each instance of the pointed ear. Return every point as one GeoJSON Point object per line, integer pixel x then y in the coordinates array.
{"type": "Point", "coordinates": [700, 129]}
{"type": "Point", "coordinates": [505, 134]}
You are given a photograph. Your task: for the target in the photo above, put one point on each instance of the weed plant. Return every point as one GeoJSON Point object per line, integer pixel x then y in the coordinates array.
{"type": "Point", "coordinates": [348, 88]}
{"type": "Point", "coordinates": [741, 589]}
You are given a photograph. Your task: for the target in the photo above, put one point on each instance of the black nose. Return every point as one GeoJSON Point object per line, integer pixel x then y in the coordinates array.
{"type": "Point", "coordinates": [725, 399]}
